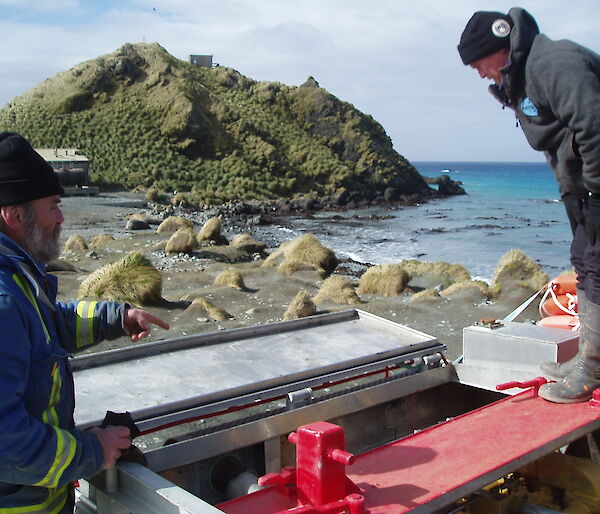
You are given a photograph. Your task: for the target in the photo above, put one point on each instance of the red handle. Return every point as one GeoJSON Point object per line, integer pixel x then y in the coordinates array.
{"type": "Point", "coordinates": [536, 382]}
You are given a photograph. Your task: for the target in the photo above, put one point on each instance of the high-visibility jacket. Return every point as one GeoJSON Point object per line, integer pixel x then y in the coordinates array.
{"type": "Point", "coordinates": [41, 452]}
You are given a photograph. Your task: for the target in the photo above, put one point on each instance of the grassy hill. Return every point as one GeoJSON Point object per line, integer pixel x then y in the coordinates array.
{"type": "Point", "coordinates": [145, 118]}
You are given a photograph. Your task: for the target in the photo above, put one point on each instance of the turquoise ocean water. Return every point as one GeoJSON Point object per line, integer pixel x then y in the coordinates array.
{"type": "Point", "coordinates": [508, 205]}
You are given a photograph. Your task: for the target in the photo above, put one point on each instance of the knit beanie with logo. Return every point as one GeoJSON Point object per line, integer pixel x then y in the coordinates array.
{"type": "Point", "coordinates": [485, 33]}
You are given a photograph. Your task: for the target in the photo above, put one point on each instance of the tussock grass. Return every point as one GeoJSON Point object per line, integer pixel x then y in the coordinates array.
{"type": "Point", "coordinates": [304, 252]}
{"type": "Point", "coordinates": [211, 231]}
{"type": "Point", "coordinates": [425, 296]}
{"type": "Point", "coordinates": [182, 241]}
{"type": "Point", "coordinates": [464, 285]}
{"type": "Point", "coordinates": [230, 278]}
{"type": "Point", "coordinates": [172, 224]}
{"type": "Point", "coordinates": [212, 311]}
{"type": "Point", "coordinates": [75, 242]}
{"type": "Point", "coordinates": [149, 120]}
{"type": "Point", "coordinates": [384, 280]}
{"type": "Point", "coordinates": [300, 307]}
{"type": "Point", "coordinates": [338, 289]}
{"type": "Point", "coordinates": [516, 269]}
{"type": "Point", "coordinates": [451, 272]}
{"type": "Point", "coordinates": [101, 240]}
{"type": "Point", "coordinates": [132, 279]}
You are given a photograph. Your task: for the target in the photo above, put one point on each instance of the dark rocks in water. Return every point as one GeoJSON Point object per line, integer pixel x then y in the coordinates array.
{"type": "Point", "coordinates": [449, 187]}
{"type": "Point", "coordinates": [410, 199]}
{"type": "Point", "coordinates": [446, 186]}
{"type": "Point", "coordinates": [307, 204]}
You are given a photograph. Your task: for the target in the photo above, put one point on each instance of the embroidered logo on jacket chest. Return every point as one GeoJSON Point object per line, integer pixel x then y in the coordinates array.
{"type": "Point", "coordinates": [528, 108]}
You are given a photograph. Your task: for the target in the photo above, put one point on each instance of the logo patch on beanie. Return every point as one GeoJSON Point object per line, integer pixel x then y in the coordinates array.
{"type": "Point", "coordinates": [528, 108]}
{"type": "Point", "coordinates": [500, 28]}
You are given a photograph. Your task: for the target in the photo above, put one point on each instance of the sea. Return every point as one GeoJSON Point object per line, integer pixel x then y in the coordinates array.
{"type": "Point", "coordinates": [508, 205]}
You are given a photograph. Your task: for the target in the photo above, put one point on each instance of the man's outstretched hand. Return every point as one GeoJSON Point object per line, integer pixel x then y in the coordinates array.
{"type": "Point", "coordinates": [137, 323]}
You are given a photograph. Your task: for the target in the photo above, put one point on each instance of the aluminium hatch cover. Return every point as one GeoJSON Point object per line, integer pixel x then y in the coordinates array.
{"type": "Point", "coordinates": [176, 374]}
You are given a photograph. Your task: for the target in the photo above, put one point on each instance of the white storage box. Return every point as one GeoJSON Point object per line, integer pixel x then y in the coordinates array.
{"type": "Point", "coordinates": [513, 351]}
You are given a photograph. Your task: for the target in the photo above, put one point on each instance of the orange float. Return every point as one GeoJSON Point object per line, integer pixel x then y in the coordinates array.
{"type": "Point", "coordinates": [558, 306]}
{"type": "Point", "coordinates": [560, 321]}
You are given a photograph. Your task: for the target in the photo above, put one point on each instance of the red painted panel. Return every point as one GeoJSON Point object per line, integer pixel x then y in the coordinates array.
{"type": "Point", "coordinates": [400, 476]}
{"type": "Point", "coordinates": [443, 460]}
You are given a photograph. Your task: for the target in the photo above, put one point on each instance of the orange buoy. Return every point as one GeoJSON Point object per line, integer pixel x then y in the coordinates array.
{"type": "Point", "coordinates": [552, 306]}
{"type": "Point", "coordinates": [564, 284]}
{"type": "Point", "coordinates": [558, 306]}
{"type": "Point", "coordinates": [563, 321]}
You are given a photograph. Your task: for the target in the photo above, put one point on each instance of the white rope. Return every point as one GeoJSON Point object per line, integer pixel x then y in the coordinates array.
{"type": "Point", "coordinates": [571, 303]}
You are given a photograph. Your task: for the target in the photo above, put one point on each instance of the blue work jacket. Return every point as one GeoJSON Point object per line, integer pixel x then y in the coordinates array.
{"type": "Point", "coordinates": [41, 451]}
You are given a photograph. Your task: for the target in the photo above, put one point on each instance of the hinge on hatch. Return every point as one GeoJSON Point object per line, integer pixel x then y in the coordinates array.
{"type": "Point", "coordinates": [300, 398]}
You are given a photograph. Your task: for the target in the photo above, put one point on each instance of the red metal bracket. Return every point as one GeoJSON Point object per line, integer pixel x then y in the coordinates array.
{"type": "Point", "coordinates": [535, 384]}
{"type": "Point", "coordinates": [317, 485]}
{"type": "Point", "coordinates": [595, 400]}
{"type": "Point", "coordinates": [320, 463]}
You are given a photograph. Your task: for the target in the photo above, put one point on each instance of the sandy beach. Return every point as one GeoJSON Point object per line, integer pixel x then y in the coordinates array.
{"type": "Point", "coordinates": [267, 292]}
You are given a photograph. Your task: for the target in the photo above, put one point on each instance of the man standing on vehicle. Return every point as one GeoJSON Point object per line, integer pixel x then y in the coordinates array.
{"type": "Point", "coordinates": [41, 451]}
{"type": "Point", "coordinates": [553, 87]}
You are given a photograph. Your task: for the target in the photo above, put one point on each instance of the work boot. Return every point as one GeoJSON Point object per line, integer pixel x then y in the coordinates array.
{"type": "Point", "coordinates": [581, 381]}
{"type": "Point", "coordinates": [558, 370]}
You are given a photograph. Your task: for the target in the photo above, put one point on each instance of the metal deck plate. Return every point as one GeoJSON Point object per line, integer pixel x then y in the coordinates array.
{"type": "Point", "coordinates": [156, 378]}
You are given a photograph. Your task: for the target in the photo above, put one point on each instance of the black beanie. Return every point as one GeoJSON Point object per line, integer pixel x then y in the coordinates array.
{"type": "Point", "coordinates": [485, 33]}
{"type": "Point", "coordinates": [24, 174]}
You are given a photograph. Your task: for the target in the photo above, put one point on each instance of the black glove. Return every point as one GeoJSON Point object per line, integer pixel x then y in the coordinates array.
{"type": "Point", "coordinates": [573, 208]}
{"type": "Point", "coordinates": [116, 419]}
{"type": "Point", "coordinates": [592, 222]}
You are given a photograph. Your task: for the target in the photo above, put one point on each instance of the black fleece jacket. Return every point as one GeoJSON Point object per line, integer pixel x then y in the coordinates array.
{"type": "Point", "coordinates": [554, 89]}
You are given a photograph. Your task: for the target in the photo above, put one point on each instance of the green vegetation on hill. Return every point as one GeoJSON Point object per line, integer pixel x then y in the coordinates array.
{"type": "Point", "coordinates": [145, 118]}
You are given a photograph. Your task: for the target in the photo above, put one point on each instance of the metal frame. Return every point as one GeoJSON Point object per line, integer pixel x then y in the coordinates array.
{"type": "Point", "coordinates": [93, 360]}
{"type": "Point", "coordinates": [181, 415]}
{"type": "Point", "coordinates": [142, 491]}
{"type": "Point", "coordinates": [213, 444]}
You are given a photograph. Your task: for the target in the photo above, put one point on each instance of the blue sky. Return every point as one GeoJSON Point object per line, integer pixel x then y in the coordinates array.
{"type": "Point", "coordinates": [392, 59]}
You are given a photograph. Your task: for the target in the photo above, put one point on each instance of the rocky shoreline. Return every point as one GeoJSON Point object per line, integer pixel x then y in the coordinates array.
{"type": "Point", "coordinates": [267, 292]}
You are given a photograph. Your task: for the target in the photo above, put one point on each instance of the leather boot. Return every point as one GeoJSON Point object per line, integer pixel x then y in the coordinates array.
{"type": "Point", "coordinates": [581, 381]}
{"type": "Point", "coordinates": [558, 370]}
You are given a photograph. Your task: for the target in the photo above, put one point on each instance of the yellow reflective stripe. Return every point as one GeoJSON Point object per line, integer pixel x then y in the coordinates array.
{"type": "Point", "coordinates": [24, 286]}
{"type": "Point", "coordinates": [55, 502]}
{"type": "Point", "coordinates": [49, 416]}
{"type": "Point", "coordinates": [84, 326]}
{"type": "Point", "coordinates": [66, 445]}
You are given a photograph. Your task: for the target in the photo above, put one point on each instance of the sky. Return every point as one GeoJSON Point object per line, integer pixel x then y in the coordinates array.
{"type": "Point", "coordinates": [393, 59]}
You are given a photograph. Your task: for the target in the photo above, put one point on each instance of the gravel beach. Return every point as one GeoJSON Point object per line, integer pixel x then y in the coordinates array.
{"type": "Point", "coordinates": [267, 292]}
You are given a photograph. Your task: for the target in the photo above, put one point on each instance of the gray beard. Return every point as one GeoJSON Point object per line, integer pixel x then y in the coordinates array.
{"type": "Point", "coordinates": [37, 244]}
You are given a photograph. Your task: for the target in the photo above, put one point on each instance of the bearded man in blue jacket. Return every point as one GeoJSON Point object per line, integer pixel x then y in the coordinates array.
{"type": "Point", "coordinates": [553, 88]}
{"type": "Point", "coordinates": [41, 451]}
